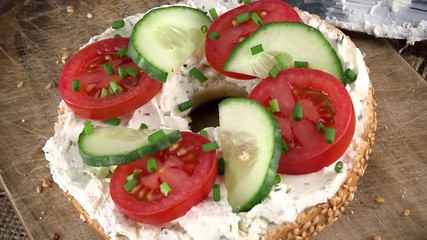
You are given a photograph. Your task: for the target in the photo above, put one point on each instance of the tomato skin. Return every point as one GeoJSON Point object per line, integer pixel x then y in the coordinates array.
{"type": "Point", "coordinates": [308, 151]}
{"type": "Point", "coordinates": [87, 106]}
{"type": "Point", "coordinates": [217, 51]}
{"type": "Point", "coordinates": [187, 190]}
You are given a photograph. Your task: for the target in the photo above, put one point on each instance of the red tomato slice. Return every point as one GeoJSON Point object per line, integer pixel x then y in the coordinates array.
{"type": "Point", "coordinates": [87, 66]}
{"type": "Point", "coordinates": [217, 51]}
{"type": "Point", "coordinates": [325, 99]}
{"type": "Point", "coordinates": [184, 166]}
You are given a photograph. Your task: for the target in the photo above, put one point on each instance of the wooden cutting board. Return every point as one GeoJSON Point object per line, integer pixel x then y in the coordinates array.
{"type": "Point", "coordinates": [32, 37]}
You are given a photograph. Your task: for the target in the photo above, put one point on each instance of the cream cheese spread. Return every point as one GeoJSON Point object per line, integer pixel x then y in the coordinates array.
{"type": "Point", "coordinates": [209, 219]}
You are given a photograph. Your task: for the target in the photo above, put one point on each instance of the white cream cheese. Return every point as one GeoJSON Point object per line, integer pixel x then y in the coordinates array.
{"type": "Point", "coordinates": [209, 219]}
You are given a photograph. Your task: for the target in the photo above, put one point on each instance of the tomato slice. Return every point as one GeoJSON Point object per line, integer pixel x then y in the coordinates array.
{"type": "Point", "coordinates": [231, 33]}
{"type": "Point", "coordinates": [324, 99]}
{"type": "Point", "coordinates": [87, 66]}
{"type": "Point", "coordinates": [188, 171]}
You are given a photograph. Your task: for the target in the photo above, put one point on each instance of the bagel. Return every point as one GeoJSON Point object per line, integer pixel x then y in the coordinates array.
{"type": "Point", "coordinates": [89, 193]}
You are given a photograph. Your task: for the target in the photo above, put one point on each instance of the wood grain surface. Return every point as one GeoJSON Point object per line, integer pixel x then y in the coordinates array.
{"type": "Point", "coordinates": [33, 35]}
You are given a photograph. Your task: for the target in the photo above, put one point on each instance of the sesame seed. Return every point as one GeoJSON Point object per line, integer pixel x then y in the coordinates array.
{"type": "Point", "coordinates": [380, 200]}
{"type": "Point", "coordinates": [39, 189]}
{"type": "Point", "coordinates": [263, 14]}
{"type": "Point", "coordinates": [70, 9]}
{"type": "Point", "coordinates": [54, 236]}
{"type": "Point", "coordinates": [376, 237]}
{"type": "Point", "coordinates": [50, 85]}
{"type": "Point", "coordinates": [89, 15]}
{"type": "Point", "coordinates": [20, 84]}
{"type": "Point", "coordinates": [46, 182]}
{"type": "Point", "coordinates": [406, 212]}
{"type": "Point", "coordinates": [83, 218]}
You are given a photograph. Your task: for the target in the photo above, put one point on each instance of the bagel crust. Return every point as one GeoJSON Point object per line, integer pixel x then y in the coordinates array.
{"type": "Point", "coordinates": [307, 222]}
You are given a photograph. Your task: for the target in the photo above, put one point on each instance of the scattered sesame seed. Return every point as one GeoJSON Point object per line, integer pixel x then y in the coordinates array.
{"type": "Point", "coordinates": [82, 217]}
{"type": "Point", "coordinates": [406, 212]}
{"type": "Point", "coordinates": [20, 84]}
{"type": "Point", "coordinates": [39, 189]}
{"type": "Point", "coordinates": [42, 212]}
{"type": "Point", "coordinates": [89, 15]}
{"type": "Point", "coordinates": [50, 85]}
{"type": "Point", "coordinates": [380, 200]}
{"type": "Point", "coordinates": [57, 61]}
{"type": "Point", "coordinates": [54, 236]}
{"type": "Point", "coordinates": [23, 120]}
{"type": "Point", "coordinates": [376, 237]}
{"type": "Point", "coordinates": [70, 9]}
{"type": "Point", "coordinates": [263, 14]}
{"type": "Point", "coordinates": [46, 182]}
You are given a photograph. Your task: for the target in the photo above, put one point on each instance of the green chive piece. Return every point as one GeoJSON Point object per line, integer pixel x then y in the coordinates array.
{"type": "Point", "coordinates": [207, 147]}
{"type": "Point", "coordinates": [277, 179]}
{"type": "Point", "coordinates": [108, 68]}
{"type": "Point", "coordinates": [104, 92]}
{"type": "Point", "coordinates": [118, 24]}
{"type": "Point", "coordinates": [204, 29]}
{"type": "Point", "coordinates": [143, 126]}
{"type": "Point", "coordinates": [350, 75]}
{"type": "Point", "coordinates": [257, 49]}
{"type": "Point", "coordinates": [280, 60]}
{"type": "Point", "coordinates": [273, 72]}
{"type": "Point", "coordinates": [285, 148]}
{"type": "Point", "coordinates": [221, 166]}
{"type": "Point", "coordinates": [320, 127]}
{"type": "Point", "coordinates": [113, 121]}
{"type": "Point", "coordinates": [75, 85]}
{"type": "Point", "coordinates": [213, 35]}
{"type": "Point", "coordinates": [204, 133]}
{"type": "Point", "coordinates": [297, 114]}
{"type": "Point", "coordinates": [154, 137]}
{"type": "Point", "coordinates": [132, 71]}
{"type": "Point", "coordinates": [117, 35]}
{"type": "Point", "coordinates": [213, 13]}
{"type": "Point", "coordinates": [274, 105]}
{"type": "Point", "coordinates": [122, 72]}
{"type": "Point", "coordinates": [194, 72]}
{"type": "Point", "coordinates": [216, 193]}
{"type": "Point", "coordinates": [185, 106]}
{"type": "Point", "coordinates": [338, 167]}
{"type": "Point", "coordinates": [330, 135]}
{"type": "Point", "coordinates": [115, 87]}
{"type": "Point", "coordinates": [243, 17]}
{"type": "Point", "coordinates": [129, 185]}
{"type": "Point", "coordinates": [88, 127]}
{"type": "Point", "coordinates": [133, 176]}
{"type": "Point", "coordinates": [256, 19]}
{"type": "Point", "coordinates": [165, 188]}
{"type": "Point", "coordinates": [122, 52]}
{"type": "Point", "coordinates": [247, 1]}
{"type": "Point", "coordinates": [151, 165]}
{"type": "Point", "coordinates": [301, 64]}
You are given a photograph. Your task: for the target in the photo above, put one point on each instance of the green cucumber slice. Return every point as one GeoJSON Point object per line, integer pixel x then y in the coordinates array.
{"type": "Point", "coordinates": [165, 37]}
{"type": "Point", "coordinates": [250, 138]}
{"type": "Point", "coordinates": [108, 146]}
{"type": "Point", "coordinates": [295, 41]}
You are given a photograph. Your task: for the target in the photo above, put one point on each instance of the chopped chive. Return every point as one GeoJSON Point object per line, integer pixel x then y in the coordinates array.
{"type": "Point", "coordinates": [277, 179]}
{"type": "Point", "coordinates": [244, 17]}
{"type": "Point", "coordinates": [113, 121]}
{"type": "Point", "coordinates": [204, 133]}
{"type": "Point", "coordinates": [118, 24]}
{"type": "Point", "coordinates": [297, 114]}
{"type": "Point", "coordinates": [213, 35]}
{"type": "Point", "coordinates": [216, 193]}
{"type": "Point", "coordinates": [213, 13]}
{"type": "Point", "coordinates": [204, 29]}
{"type": "Point", "coordinates": [350, 75]}
{"type": "Point", "coordinates": [151, 165]}
{"type": "Point", "coordinates": [165, 188]}
{"type": "Point", "coordinates": [256, 19]}
{"type": "Point", "coordinates": [133, 176]}
{"type": "Point", "coordinates": [122, 52]}
{"type": "Point", "coordinates": [273, 72]}
{"type": "Point", "coordinates": [117, 35]}
{"type": "Point", "coordinates": [274, 105]}
{"type": "Point", "coordinates": [330, 135]}
{"type": "Point", "coordinates": [247, 1]}
{"type": "Point", "coordinates": [75, 86]}
{"type": "Point", "coordinates": [154, 137]}
{"type": "Point", "coordinates": [132, 71]}
{"type": "Point", "coordinates": [198, 75]}
{"type": "Point", "coordinates": [221, 166]}
{"type": "Point", "coordinates": [285, 148]}
{"type": "Point", "coordinates": [88, 127]}
{"type": "Point", "coordinates": [185, 106]}
{"type": "Point", "coordinates": [122, 72]}
{"type": "Point", "coordinates": [129, 185]}
{"type": "Point", "coordinates": [104, 92]}
{"type": "Point", "coordinates": [115, 87]}
{"type": "Point", "coordinates": [320, 127]}
{"type": "Point", "coordinates": [257, 49]}
{"type": "Point", "coordinates": [207, 147]}
{"type": "Point", "coordinates": [338, 167]}
{"type": "Point", "coordinates": [108, 68]}
{"type": "Point", "coordinates": [301, 64]}
{"type": "Point", "coordinates": [280, 60]}
{"type": "Point", "coordinates": [143, 126]}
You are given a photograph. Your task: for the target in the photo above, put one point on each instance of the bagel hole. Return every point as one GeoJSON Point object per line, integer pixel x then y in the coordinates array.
{"type": "Point", "coordinates": [205, 115]}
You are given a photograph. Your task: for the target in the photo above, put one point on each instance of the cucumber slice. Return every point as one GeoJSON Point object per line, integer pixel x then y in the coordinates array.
{"type": "Point", "coordinates": [250, 138]}
{"type": "Point", "coordinates": [165, 37]}
{"type": "Point", "coordinates": [295, 41]}
{"type": "Point", "coordinates": [107, 146]}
